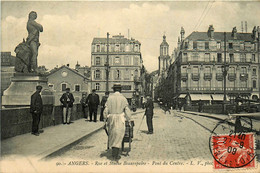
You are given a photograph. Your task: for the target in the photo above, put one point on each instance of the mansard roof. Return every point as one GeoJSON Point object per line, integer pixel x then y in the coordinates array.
{"type": "Point", "coordinates": [195, 36]}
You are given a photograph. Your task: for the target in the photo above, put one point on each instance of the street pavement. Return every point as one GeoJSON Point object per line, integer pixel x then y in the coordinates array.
{"type": "Point", "coordinates": [176, 137]}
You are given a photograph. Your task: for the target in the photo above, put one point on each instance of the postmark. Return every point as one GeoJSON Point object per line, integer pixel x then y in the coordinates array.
{"type": "Point", "coordinates": [233, 149]}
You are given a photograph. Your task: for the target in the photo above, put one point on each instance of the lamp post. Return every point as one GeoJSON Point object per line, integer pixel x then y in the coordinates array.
{"type": "Point", "coordinates": [224, 70]}
{"type": "Point", "coordinates": [107, 63]}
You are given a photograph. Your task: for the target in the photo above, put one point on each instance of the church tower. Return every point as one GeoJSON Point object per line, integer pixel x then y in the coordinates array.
{"type": "Point", "coordinates": [164, 58]}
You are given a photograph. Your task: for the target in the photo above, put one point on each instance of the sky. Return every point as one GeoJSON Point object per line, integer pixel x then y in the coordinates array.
{"type": "Point", "coordinates": [69, 27]}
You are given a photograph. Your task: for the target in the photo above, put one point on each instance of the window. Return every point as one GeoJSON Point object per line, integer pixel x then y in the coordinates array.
{"type": "Point", "coordinates": [127, 60]}
{"type": "Point", "coordinates": [218, 45]}
{"type": "Point", "coordinates": [254, 83]}
{"type": "Point", "coordinates": [195, 70]}
{"type": "Point", "coordinates": [117, 60]}
{"type": "Point", "coordinates": [184, 69]}
{"type": "Point", "coordinates": [207, 70]}
{"type": "Point", "coordinates": [97, 60]}
{"type": "Point", "coordinates": [77, 87]}
{"type": "Point", "coordinates": [206, 45]}
{"type": "Point", "coordinates": [242, 58]}
{"type": "Point", "coordinates": [136, 61]}
{"type": "Point", "coordinates": [117, 74]}
{"type": "Point", "coordinates": [127, 48]}
{"type": "Point", "coordinates": [254, 72]}
{"type": "Point", "coordinates": [186, 45]}
{"type": "Point", "coordinates": [185, 57]}
{"type": "Point", "coordinates": [253, 57]}
{"type": "Point", "coordinates": [230, 45]}
{"type": "Point", "coordinates": [195, 45]}
{"type": "Point", "coordinates": [97, 86]}
{"type": "Point", "coordinates": [97, 74]}
{"type": "Point", "coordinates": [127, 74]}
{"type": "Point", "coordinates": [51, 86]}
{"type": "Point", "coordinates": [207, 57]}
{"type": "Point", "coordinates": [117, 48]}
{"type": "Point", "coordinates": [63, 87]}
{"type": "Point", "coordinates": [195, 57]}
{"type": "Point", "coordinates": [219, 56]}
{"type": "Point", "coordinates": [136, 47]}
{"type": "Point", "coordinates": [219, 69]}
{"type": "Point", "coordinates": [242, 46]}
{"type": "Point", "coordinates": [243, 70]}
{"type": "Point", "coordinates": [231, 70]}
{"type": "Point", "coordinates": [98, 48]}
{"type": "Point", "coordinates": [231, 57]}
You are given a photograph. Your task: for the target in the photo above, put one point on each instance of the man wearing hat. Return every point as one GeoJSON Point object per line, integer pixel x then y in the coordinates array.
{"type": "Point", "coordinates": [93, 102]}
{"type": "Point", "coordinates": [67, 100]}
{"type": "Point", "coordinates": [84, 105]}
{"type": "Point", "coordinates": [116, 112]}
{"type": "Point", "coordinates": [103, 102]}
{"type": "Point", "coordinates": [36, 108]}
{"type": "Point", "coordinates": [149, 114]}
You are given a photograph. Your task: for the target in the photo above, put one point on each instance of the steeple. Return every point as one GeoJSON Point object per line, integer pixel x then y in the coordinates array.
{"type": "Point", "coordinates": [182, 33]}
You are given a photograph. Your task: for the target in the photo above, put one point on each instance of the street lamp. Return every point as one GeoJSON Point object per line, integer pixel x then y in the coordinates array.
{"type": "Point", "coordinates": [224, 71]}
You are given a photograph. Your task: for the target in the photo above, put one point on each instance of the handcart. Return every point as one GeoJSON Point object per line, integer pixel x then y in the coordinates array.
{"type": "Point", "coordinates": [129, 134]}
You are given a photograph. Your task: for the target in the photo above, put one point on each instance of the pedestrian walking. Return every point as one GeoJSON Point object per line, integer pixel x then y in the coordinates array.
{"type": "Point", "coordinates": [36, 108]}
{"type": "Point", "coordinates": [116, 113]}
{"type": "Point", "coordinates": [167, 108]}
{"type": "Point", "coordinates": [84, 105]}
{"type": "Point", "coordinates": [93, 102]}
{"type": "Point", "coordinates": [103, 102]}
{"type": "Point", "coordinates": [149, 114]}
{"type": "Point", "coordinates": [67, 100]}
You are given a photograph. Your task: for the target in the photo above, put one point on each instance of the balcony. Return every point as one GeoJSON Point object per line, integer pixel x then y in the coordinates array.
{"type": "Point", "coordinates": [243, 76]}
{"type": "Point", "coordinates": [219, 77]}
{"type": "Point", "coordinates": [184, 76]}
{"type": "Point", "coordinates": [207, 76]}
{"type": "Point", "coordinates": [195, 76]}
{"type": "Point", "coordinates": [232, 76]}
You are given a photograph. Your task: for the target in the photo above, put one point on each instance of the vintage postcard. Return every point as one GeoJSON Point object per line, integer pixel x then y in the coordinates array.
{"type": "Point", "coordinates": [130, 86]}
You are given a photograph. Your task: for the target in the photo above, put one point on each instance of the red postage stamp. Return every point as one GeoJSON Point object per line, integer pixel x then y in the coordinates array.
{"type": "Point", "coordinates": [233, 150]}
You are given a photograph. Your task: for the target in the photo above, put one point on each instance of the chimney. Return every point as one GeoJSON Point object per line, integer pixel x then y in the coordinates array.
{"type": "Point", "coordinates": [254, 34]}
{"type": "Point", "coordinates": [211, 32]}
{"type": "Point", "coordinates": [68, 65]}
{"type": "Point", "coordinates": [182, 33]}
{"type": "Point", "coordinates": [234, 32]}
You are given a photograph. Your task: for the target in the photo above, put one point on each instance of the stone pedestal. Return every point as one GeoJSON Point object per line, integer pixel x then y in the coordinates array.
{"type": "Point", "coordinates": [18, 94]}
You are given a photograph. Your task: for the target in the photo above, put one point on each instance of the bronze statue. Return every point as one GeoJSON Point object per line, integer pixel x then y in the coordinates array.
{"type": "Point", "coordinates": [27, 52]}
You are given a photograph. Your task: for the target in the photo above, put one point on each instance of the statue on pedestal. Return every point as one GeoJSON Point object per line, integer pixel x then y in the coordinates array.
{"type": "Point", "coordinates": [27, 51]}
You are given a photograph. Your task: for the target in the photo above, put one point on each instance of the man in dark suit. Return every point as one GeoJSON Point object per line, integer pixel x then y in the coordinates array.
{"type": "Point", "coordinates": [149, 114]}
{"type": "Point", "coordinates": [36, 110]}
{"type": "Point", "coordinates": [103, 102]}
{"type": "Point", "coordinates": [93, 102]}
{"type": "Point", "coordinates": [67, 100]}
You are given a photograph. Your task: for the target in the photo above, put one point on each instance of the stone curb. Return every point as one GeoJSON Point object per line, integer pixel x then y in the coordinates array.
{"type": "Point", "coordinates": [67, 145]}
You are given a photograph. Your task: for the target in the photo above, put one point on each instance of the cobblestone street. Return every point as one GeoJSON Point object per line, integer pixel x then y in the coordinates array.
{"type": "Point", "coordinates": [175, 137]}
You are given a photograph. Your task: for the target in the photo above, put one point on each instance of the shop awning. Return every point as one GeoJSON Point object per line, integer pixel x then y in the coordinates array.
{"type": "Point", "coordinates": [195, 97]}
{"type": "Point", "coordinates": [219, 97]}
{"type": "Point", "coordinates": [182, 96]}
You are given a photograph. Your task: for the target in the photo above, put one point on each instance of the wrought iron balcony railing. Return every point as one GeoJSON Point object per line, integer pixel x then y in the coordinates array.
{"type": "Point", "coordinates": [207, 76]}
{"type": "Point", "coordinates": [195, 76]}
{"type": "Point", "coordinates": [219, 76]}
{"type": "Point", "coordinates": [243, 76]}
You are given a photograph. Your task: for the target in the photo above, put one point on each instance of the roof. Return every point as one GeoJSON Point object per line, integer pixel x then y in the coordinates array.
{"type": "Point", "coordinates": [55, 70]}
{"type": "Point", "coordinates": [154, 72]}
{"type": "Point", "coordinates": [164, 43]}
{"type": "Point", "coordinates": [114, 40]}
{"type": "Point", "coordinates": [219, 36]}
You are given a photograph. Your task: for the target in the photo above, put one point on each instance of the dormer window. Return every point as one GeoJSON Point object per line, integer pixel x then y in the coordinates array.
{"type": "Point", "coordinates": [117, 48]}
{"type": "Point", "coordinates": [98, 48]}
{"type": "Point", "coordinates": [195, 45]}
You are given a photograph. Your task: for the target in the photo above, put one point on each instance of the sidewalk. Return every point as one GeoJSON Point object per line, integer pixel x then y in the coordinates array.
{"type": "Point", "coordinates": [54, 139]}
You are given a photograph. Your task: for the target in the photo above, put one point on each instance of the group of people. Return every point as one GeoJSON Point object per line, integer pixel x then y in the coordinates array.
{"type": "Point", "coordinates": [114, 110]}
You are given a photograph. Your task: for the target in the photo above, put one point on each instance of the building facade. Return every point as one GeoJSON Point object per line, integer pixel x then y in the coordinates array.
{"type": "Point", "coordinates": [125, 65]}
{"type": "Point", "coordinates": [199, 59]}
{"type": "Point", "coordinates": [64, 77]}
{"type": "Point", "coordinates": [7, 69]}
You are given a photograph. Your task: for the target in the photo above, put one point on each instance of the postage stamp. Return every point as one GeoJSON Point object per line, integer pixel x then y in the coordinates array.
{"type": "Point", "coordinates": [233, 150]}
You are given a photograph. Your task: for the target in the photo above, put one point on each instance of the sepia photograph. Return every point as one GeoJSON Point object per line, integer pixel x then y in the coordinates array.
{"type": "Point", "coordinates": [130, 86]}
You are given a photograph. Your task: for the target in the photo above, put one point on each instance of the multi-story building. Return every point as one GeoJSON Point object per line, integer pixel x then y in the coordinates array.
{"type": "Point", "coordinates": [125, 65]}
{"type": "Point", "coordinates": [199, 59]}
